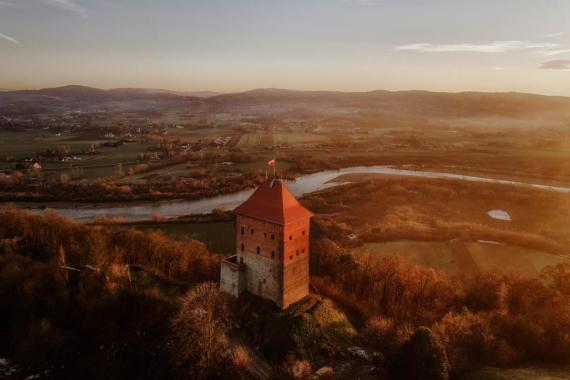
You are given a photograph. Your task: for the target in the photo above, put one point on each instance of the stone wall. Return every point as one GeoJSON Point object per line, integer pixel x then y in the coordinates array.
{"type": "Point", "coordinates": [264, 277]}
{"type": "Point", "coordinates": [259, 247]}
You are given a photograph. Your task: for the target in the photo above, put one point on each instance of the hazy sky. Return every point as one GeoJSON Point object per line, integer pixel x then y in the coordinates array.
{"type": "Point", "coordinates": [233, 45]}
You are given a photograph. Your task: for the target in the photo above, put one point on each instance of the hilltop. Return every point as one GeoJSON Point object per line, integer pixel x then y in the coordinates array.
{"type": "Point", "coordinates": [262, 101]}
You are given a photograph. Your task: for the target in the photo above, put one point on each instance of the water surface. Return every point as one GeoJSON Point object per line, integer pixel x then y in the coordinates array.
{"type": "Point", "coordinates": [303, 185]}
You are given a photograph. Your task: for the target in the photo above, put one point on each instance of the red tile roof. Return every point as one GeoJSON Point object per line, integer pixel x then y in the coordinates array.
{"type": "Point", "coordinates": [273, 202]}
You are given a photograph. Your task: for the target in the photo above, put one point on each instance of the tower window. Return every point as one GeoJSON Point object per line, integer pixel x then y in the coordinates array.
{"type": "Point", "coordinates": [242, 230]}
{"type": "Point", "coordinates": [272, 254]}
{"type": "Point", "coordinates": [297, 252]}
{"type": "Point", "coordinates": [258, 250]}
{"type": "Point", "coordinates": [272, 237]}
{"type": "Point", "coordinates": [242, 247]}
{"type": "Point", "coordinates": [290, 237]}
{"type": "Point", "coordinates": [290, 257]}
{"type": "Point", "coordinates": [251, 231]}
{"type": "Point", "coordinates": [265, 234]}
{"type": "Point", "coordinates": [303, 251]}
{"type": "Point", "coordinates": [303, 232]}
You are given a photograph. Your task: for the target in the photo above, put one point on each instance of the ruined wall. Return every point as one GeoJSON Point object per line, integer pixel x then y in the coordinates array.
{"type": "Point", "coordinates": [232, 278]}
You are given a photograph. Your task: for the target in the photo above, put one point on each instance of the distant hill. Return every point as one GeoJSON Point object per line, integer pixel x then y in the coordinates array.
{"type": "Point", "coordinates": [264, 101]}
{"type": "Point", "coordinates": [198, 94]}
{"type": "Point", "coordinates": [463, 104]}
{"type": "Point", "coordinates": [76, 92]}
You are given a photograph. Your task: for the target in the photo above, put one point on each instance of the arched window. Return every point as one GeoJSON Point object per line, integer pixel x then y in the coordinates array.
{"type": "Point", "coordinates": [242, 247]}
{"type": "Point", "coordinates": [258, 250]}
{"type": "Point", "coordinates": [297, 252]}
{"type": "Point", "coordinates": [251, 231]}
{"type": "Point", "coordinates": [272, 237]}
{"type": "Point", "coordinates": [290, 237]}
{"type": "Point", "coordinates": [303, 232]}
{"type": "Point", "coordinates": [242, 230]}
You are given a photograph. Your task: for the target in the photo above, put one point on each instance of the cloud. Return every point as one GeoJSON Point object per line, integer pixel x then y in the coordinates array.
{"type": "Point", "coordinates": [552, 35]}
{"type": "Point", "coordinates": [496, 68]}
{"type": "Point", "coordinates": [560, 64]}
{"type": "Point", "coordinates": [542, 48]}
{"type": "Point", "coordinates": [551, 52]}
{"type": "Point", "coordinates": [10, 39]}
{"type": "Point", "coordinates": [68, 5]}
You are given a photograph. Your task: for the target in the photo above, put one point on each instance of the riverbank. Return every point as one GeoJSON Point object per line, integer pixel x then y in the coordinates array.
{"type": "Point", "coordinates": [302, 185]}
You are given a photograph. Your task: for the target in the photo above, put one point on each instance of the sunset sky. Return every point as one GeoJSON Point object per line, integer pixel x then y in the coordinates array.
{"type": "Point", "coordinates": [235, 45]}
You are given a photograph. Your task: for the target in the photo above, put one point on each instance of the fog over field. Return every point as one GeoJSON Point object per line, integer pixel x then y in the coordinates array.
{"type": "Point", "coordinates": [324, 189]}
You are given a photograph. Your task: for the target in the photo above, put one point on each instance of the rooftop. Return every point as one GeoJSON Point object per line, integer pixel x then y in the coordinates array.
{"type": "Point", "coordinates": [272, 201]}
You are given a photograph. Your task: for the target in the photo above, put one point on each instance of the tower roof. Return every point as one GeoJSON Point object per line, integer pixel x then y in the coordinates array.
{"type": "Point", "coordinates": [273, 202]}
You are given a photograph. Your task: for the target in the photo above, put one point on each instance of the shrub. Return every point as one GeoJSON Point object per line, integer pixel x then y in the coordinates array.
{"type": "Point", "coordinates": [422, 357]}
{"type": "Point", "coordinates": [200, 333]}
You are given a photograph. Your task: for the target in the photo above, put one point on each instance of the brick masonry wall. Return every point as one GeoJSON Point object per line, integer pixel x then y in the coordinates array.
{"type": "Point", "coordinates": [264, 274]}
{"type": "Point", "coordinates": [276, 258]}
{"type": "Point", "coordinates": [296, 261]}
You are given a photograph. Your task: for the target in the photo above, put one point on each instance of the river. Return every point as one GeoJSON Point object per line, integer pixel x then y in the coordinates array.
{"type": "Point", "coordinates": [302, 185]}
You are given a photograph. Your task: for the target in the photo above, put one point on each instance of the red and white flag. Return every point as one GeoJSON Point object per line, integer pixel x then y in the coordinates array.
{"type": "Point", "coordinates": [271, 163]}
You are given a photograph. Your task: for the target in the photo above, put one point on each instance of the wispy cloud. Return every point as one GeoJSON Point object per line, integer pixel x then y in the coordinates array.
{"type": "Point", "coordinates": [542, 48]}
{"type": "Point", "coordinates": [551, 52]}
{"type": "Point", "coordinates": [560, 64]}
{"type": "Point", "coordinates": [68, 5]}
{"type": "Point", "coordinates": [553, 35]}
{"type": "Point", "coordinates": [10, 39]}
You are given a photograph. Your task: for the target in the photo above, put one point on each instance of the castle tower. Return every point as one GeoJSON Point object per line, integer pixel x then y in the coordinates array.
{"type": "Point", "coordinates": [272, 258]}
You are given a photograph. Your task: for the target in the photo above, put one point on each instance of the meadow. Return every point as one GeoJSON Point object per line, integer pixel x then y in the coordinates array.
{"type": "Point", "coordinates": [456, 257]}
{"type": "Point", "coordinates": [444, 224]}
{"type": "Point", "coordinates": [218, 237]}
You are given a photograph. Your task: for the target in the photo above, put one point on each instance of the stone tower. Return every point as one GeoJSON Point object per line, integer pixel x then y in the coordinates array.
{"type": "Point", "coordinates": [272, 236]}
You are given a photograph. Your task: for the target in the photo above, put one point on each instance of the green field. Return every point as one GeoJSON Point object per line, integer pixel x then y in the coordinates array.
{"type": "Point", "coordinates": [219, 237]}
{"type": "Point", "coordinates": [27, 144]}
{"type": "Point", "coordinates": [296, 139]}
{"type": "Point", "coordinates": [459, 257]}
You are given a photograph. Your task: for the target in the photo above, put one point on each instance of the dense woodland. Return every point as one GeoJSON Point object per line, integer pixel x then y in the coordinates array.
{"type": "Point", "coordinates": [82, 301]}
{"type": "Point", "coordinates": [486, 319]}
